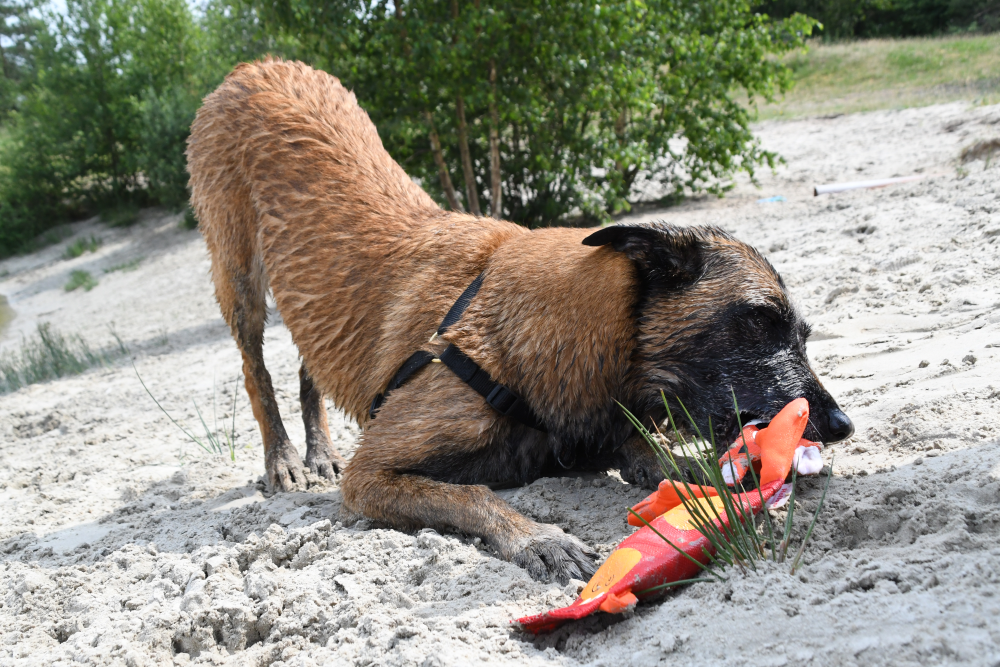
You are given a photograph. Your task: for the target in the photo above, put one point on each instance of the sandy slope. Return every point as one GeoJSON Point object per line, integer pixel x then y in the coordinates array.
{"type": "Point", "coordinates": [123, 543]}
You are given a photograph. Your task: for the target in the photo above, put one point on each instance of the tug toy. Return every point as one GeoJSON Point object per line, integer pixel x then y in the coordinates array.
{"type": "Point", "coordinates": [645, 563]}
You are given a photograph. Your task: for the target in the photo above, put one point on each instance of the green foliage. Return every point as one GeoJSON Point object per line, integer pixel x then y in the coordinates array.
{"type": "Point", "coordinates": [593, 106]}
{"type": "Point", "coordinates": [80, 278]}
{"type": "Point", "coordinates": [166, 123]}
{"type": "Point", "coordinates": [189, 221]}
{"type": "Point", "coordinates": [596, 103]}
{"type": "Point", "coordinates": [48, 355]}
{"type": "Point", "coordinates": [81, 246]}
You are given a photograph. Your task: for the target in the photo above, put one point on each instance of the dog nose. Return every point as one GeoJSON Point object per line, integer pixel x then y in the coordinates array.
{"type": "Point", "coordinates": [839, 426]}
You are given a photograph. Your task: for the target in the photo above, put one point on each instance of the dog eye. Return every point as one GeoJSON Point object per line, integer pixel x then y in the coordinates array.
{"type": "Point", "coordinates": [764, 317]}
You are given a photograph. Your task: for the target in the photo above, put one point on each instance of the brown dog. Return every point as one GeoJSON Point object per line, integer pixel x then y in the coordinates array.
{"type": "Point", "coordinates": [295, 193]}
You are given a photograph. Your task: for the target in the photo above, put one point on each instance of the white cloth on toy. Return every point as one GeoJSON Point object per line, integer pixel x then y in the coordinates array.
{"type": "Point", "coordinates": [807, 460]}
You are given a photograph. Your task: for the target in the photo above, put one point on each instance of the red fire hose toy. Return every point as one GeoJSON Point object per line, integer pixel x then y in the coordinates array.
{"type": "Point", "coordinates": [644, 561]}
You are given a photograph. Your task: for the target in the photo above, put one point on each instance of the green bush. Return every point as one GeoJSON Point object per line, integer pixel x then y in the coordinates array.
{"type": "Point", "coordinates": [536, 110]}
{"type": "Point", "coordinates": [189, 221]}
{"type": "Point", "coordinates": [18, 24]}
{"type": "Point", "coordinates": [570, 107]}
{"type": "Point", "coordinates": [100, 100]}
{"type": "Point", "coordinates": [166, 124]}
{"type": "Point", "coordinates": [101, 112]}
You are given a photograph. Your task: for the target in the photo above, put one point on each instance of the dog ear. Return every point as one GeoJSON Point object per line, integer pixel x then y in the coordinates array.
{"type": "Point", "coordinates": [659, 250]}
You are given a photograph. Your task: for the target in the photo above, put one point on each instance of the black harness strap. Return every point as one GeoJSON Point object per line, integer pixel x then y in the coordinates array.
{"type": "Point", "coordinates": [458, 309]}
{"type": "Point", "coordinates": [417, 360]}
{"type": "Point", "coordinates": [500, 398]}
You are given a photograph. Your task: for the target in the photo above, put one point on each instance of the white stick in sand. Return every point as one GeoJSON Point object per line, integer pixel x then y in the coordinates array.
{"type": "Point", "coordinates": [859, 185]}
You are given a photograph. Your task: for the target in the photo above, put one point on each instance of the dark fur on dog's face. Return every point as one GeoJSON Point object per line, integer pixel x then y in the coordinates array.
{"type": "Point", "coordinates": [715, 321]}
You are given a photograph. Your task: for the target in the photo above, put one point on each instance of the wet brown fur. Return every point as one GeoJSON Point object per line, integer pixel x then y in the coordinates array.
{"type": "Point", "coordinates": [295, 193]}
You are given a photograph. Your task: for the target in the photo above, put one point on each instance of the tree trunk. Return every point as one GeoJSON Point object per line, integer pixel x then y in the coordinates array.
{"type": "Point", "coordinates": [446, 185]}
{"type": "Point", "coordinates": [496, 205]}
{"type": "Point", "coordinates": [3, 61]}
{"type": "Point", "coordinates": [471, 192]}
{"type": "Point", "coordinates": [398, 5]}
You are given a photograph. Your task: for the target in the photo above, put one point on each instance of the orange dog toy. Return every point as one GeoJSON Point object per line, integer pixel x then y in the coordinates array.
{"type": "Point", "coordinates": [644, 561]}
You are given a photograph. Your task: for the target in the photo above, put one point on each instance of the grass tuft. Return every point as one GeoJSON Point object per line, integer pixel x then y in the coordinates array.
{"type": "Point", "coordinates": [130, 265]}
{"type": "Point", "coordinates": [122, 215]}
{"type": "Point", "coordinates": [80, 279]}
{"type": "Point", "coordinates": [981, 150]}
{"type": "Point", "coordinates": [748, 539]}
{"type": "Point", "coordinates": [49, 355]}
{"type": "Point", "coordinates": [216, 441]}
{"type": "Point", "coordinates": [81, 246]}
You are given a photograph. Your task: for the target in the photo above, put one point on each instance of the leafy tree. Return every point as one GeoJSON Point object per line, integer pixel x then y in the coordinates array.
{"type": "Point", "coordinates": [17, 26]}
{"type": "Point", "coordinates": [76, 143]}
{"type": "Point", "coordinates": [546, 108]}
{"type": "Point", "coordinates": [531, 109]}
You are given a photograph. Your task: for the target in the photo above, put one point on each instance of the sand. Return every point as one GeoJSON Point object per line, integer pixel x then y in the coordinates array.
{"type": "Point", "coordinates": [123, 543]}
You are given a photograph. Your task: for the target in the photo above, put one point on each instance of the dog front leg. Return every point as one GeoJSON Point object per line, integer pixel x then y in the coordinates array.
{"type": "Point", "coordinates": [410, 502]}
{"type": "Point", "coordinates": [374, 485]}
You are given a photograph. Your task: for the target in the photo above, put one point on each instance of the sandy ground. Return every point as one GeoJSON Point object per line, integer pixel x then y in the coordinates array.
{"type": "Point", "coordinates": [123, 543]}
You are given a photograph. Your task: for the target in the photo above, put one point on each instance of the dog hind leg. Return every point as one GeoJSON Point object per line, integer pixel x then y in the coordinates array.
{"type": "Point", "coordinates": [321, 458]}
{"type": "Point", "coordinates": [240, 287]}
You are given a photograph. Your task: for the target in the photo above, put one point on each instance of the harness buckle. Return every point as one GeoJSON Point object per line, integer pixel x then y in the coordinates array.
{"type": "Point", "coordinates": [501, 399]}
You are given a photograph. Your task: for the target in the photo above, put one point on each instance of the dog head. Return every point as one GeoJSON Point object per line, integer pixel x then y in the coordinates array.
{"type": "Point", "coordinates": [715, 322]}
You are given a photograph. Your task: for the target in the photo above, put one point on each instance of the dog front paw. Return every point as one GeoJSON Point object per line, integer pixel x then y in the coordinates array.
{"type": "Point", "coordinates": [322, 460]}
{"type": "Point", "coordinates": [641, 474]}
{"type": "Point", "coordinates": [547, 552]}
{"type": "Point", "coordinates": [285, 471]}
{"type": "Point", "coordinates": [638, 465]}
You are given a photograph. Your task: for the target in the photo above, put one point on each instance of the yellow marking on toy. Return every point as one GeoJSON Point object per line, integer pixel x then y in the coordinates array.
{"type": "Point", "coordinates": [615, 567]}
{"type": "Point", "coordinates": [681, 519]}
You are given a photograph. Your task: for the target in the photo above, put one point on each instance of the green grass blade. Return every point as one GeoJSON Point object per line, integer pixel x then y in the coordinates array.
{"type": "Point", "coordinates": [212, 440]}
{"type": "Point", "coordinates": [707, 568]}
{"type": "Point", "coordinates": [788, 519]}
{"type": "Point", "coordinates": [164, 411]}
{"type": "Point", "coordinates": [702, 522]}
{"type": "Point", "coordinates": [731, 537]}
{"type": "Point", "coordinates": [812, 524]}
{"type": "Point", "coordinates": [756, 482]}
